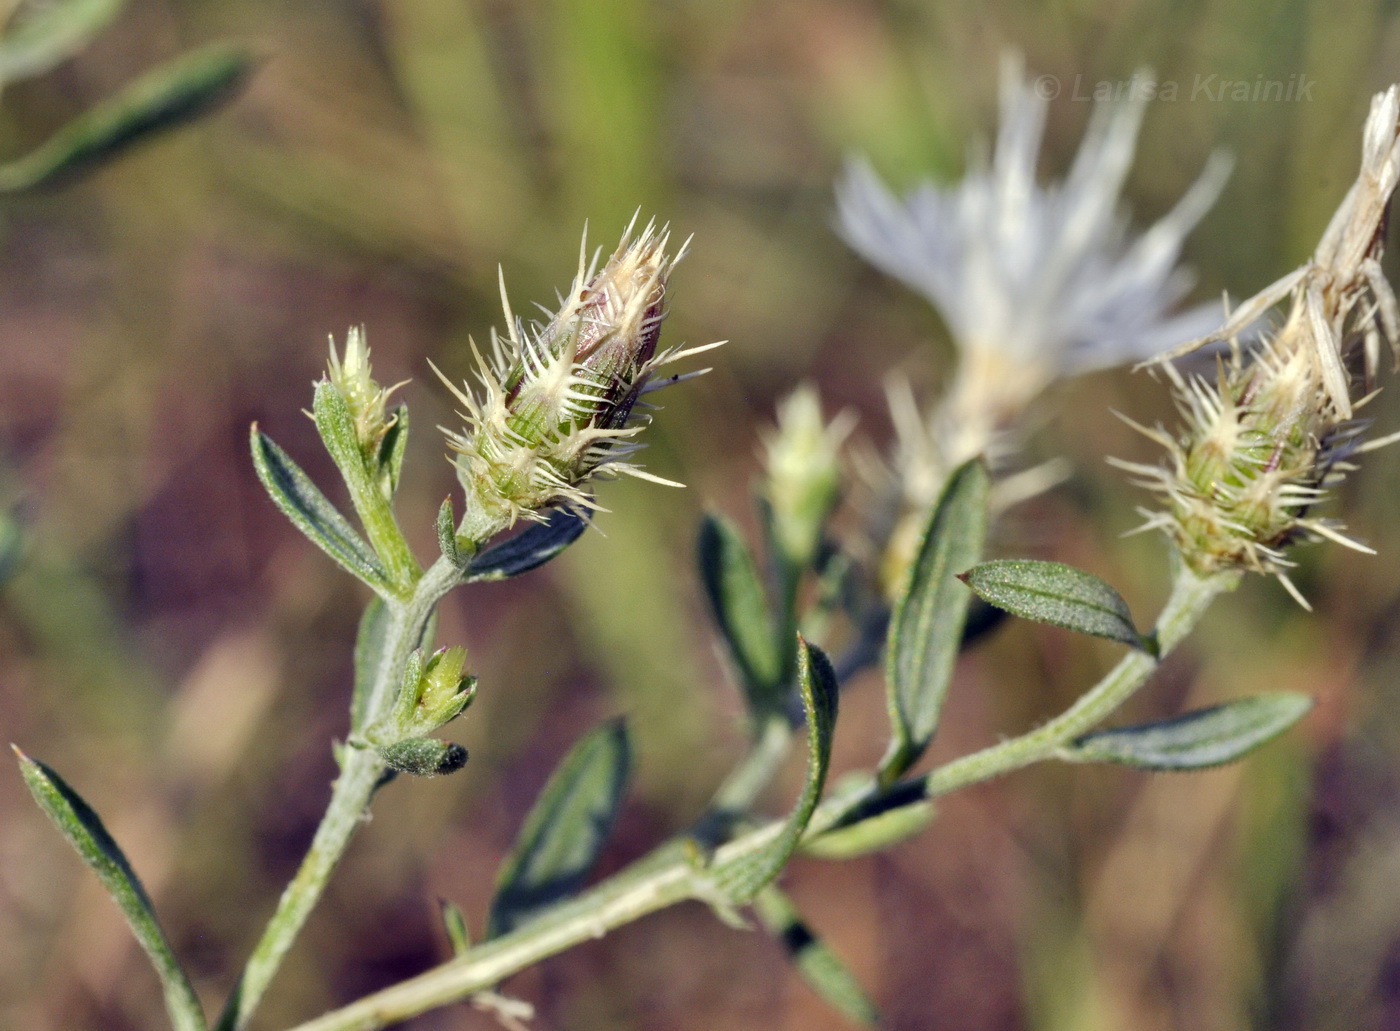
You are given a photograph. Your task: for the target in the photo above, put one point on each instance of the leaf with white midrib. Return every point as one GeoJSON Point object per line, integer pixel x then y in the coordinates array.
{"type": "Point", "coordinates": [1196, 740]}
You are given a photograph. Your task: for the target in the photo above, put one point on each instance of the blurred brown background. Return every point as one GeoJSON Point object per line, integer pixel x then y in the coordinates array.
{"type": "Point", "coordinates": [174, 648]}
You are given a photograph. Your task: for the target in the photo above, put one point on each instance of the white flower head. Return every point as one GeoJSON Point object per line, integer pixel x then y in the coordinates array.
{"type": "Point", "coordinates": [1037, 281]}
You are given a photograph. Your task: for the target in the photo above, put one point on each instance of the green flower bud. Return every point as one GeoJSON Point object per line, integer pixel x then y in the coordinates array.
{"type": "Point", "coordinates": [434, 692]}
{"type": "Point", "coordinates": [424, 756]}
{"type": "Point", "coordinates": [802, 459]}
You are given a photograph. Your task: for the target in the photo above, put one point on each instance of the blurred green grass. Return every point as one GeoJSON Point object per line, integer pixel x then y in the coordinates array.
{"type": "Point", "coordinates": [182, 657]}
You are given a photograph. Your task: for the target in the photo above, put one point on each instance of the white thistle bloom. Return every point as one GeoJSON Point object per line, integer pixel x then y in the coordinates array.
{"type": "Point", "coordinates": [556, 399]}
{"type": "Point", "coordinates": [1035, 282]}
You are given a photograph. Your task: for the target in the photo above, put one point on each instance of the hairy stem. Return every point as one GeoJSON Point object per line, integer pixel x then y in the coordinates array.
{"type": "Point", "coordinates": [361, 772]}
{"type": "Point", "coordinates": [671, 874]}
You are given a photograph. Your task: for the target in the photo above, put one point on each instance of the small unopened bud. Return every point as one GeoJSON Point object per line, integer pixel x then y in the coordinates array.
{"type": "Point", "coordinates": [802, 459]}
{"type": "Point", "coordinates": [424, 756]}
{"type": "Point", "coordinates": [434, 692]}
{"type": "Point", "coordinates": [366, 399]}
{"type": "Point", "coordinates": [556, 399]}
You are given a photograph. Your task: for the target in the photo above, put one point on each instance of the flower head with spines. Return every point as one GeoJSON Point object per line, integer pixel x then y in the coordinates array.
{"type": "Point", "coordinates": [556, 399]}
{"type": "Point", "coordinates": [1262, 444]}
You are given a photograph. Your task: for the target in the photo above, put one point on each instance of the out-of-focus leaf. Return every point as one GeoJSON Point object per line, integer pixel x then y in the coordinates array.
{"type": "Point", "coordinates": [173, 94]}
{"type": "Point", "coordinates": [1196, 740]}
{"type": "Point", "coordinates": [85, 832]}
{"type": "Point", "coordinates": [304, 504]}
{"type": "Point", "coordinates": [926, 630]}
{"type": "Point", "coordinates": [740, 608]}
{"type": "Point", "coordinates": [11, 544]}
{"type": "Point", "coordinates": [873, 833]}
{"type": "Point", "coordinates": [821, 968]}
{"type": "Point", "coordinates": [455, 924]}
{"type": "Point", "coordinates": [43, 33]}
{"type": "Point", "coordinates": [739, 880]}
{"type": "Point", "coordinates": [1050, 592]}
{"type": "Point", "coordinates": [533, 546]}
{"type": "Point", "coordinates": [566, 829]}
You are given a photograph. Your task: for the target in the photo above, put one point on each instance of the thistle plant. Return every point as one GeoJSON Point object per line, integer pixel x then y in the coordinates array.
{"type": "Point", "coordinates": [556, 406]}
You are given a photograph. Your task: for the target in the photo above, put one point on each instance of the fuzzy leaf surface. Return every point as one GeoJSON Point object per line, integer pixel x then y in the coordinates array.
{"type": "Point", "coordinates": [369, 652]}
{"type": "Point", "coordinates": [1196, 740]}
{"type": "Point", "coordinates": [740, 607]}
{"type": "Point", "coordinates": [566, 829]}
{"type": "Point", "coordinates": [926, 630]}
{"type": "Point", "coordinates": [1054, 593]}
{"type": "Point", "coordinates": [304, 504]}
{"type": "Point", "coordinates": [86, 833]}
{"type": "Point", "coordinates": [740, 880]}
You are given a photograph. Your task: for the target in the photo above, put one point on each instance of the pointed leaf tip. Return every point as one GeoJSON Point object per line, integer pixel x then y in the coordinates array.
{"type": "Point", "coordinates": [85, 831]}
{"type": "Point", "coordinates": [1196, 740]}
{"type": "Point", "coordinates": [741, 610]}
{"type": "Point", "coordinates": [1057, 594]}
{"type": "Point", "coordinates": [312, 513]}
{"type": "Point", "coordinates": [741, 879]}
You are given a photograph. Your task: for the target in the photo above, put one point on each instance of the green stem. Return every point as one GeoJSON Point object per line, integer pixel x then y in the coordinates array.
{"type": "Point", "coordinates": [671, 875]}
{"type": "Point", "coordinates": [361, 772]}
{"type": "Point", "coordinates": [376, 514]}
{"type": "Point", "coordinates": [1191, 596]}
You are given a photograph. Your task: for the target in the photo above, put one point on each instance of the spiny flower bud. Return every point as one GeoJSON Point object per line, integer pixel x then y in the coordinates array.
{"type": "Point", "coordinates": [366, 399]}
{"type": "Point", "coordinates": [1263, 443]}
{"type": "Point", "coordinates": [556, 399]}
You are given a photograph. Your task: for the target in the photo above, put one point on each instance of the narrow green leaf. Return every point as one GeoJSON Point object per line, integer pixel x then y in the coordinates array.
{"type": "Point", "coordinates": [926, 629]}
{"type": "Point", "coordinates": [391, 448]}
{"type": "Point", "coordinates": [566, 829]}
{"type": "Point", "coordinates": [740, 608]}
{"type": "Point", "coordinates": [455, 924]}
{"type": "Point", "coordinates": [369, 653]}
{"type": "Point", "coordinates": [821, 968]}
{"type": "Point", "coordinates": [446, 527]}
{"type": "Point", "coordinates": [740, 880]}
{"type": "Point", "coordinates": [85, 832]}
{"type": "Point", "coordinates": [532, 547]}
{"type": "Point", "coordinates": [173, 94]}
{"type": "Point", "coordinates": [44, 33]}
{"type": "Point", "coordinates": [304, 504]}
{"type": "Point", "coordinates": [1196, 740]}
{"type": "Point", "coordinates": [872, 834]}
{"type": "Point", "coordinates": [1050, 592]}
